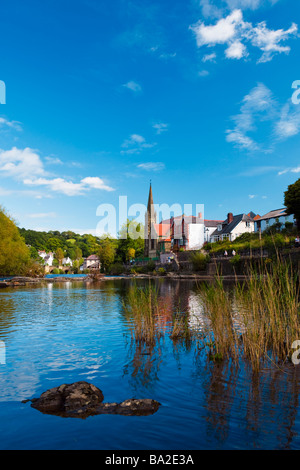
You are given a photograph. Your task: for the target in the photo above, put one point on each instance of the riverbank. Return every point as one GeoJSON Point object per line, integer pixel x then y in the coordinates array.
{"type": "Point", "coordinates": [20, 281]}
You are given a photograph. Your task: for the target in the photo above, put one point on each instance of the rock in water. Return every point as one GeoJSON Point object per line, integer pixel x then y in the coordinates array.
{"type": "Point", "coordinates": [67, 400]}
{"type": "Point", "coordinates": [138, 407]}
{"type": "Point", "coordinates": [81, 399]}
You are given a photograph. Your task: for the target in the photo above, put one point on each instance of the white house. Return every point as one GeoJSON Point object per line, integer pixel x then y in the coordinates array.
{"type": "Point", "coordinates": [91, 262]}
{"type": "Point", "coordinates": [271, 218]}
{"type": "Point", "coordinates": [67, 261]}
{"type": "Point", "coordinates": [42, 254]}
{"type": "Point", "coordinates": [209, 228]}
{"type": "Point", "coordinates": [233, 227]}
{"type": "Point", "coordinates": [187, 232]}
{"type": "Point", "coordinates": [48, 260]}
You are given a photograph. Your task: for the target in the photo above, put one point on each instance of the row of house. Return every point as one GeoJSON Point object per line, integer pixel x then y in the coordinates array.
{"type": "Point", "coordinates": [49, 258]}
{"type": "Point", "coordinates": [91, 262]}
{"type": "Point", "coordinates": [184, 233]}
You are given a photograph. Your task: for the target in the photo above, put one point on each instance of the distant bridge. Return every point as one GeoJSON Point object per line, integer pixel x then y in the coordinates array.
{"type": "Point", "coordinates": [65, 269]}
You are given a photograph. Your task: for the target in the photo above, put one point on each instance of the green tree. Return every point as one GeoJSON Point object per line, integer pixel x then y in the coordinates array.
{"type": "Point", "coordinates": [53, 244]}
{"type": "Point", "coordinates": [59, 255]}
{"type": "Point", "coordinates": [130, 254]}
{"type": "Point", "coordinates": [106, 253]}
{"type": "Point", "coordinates": [292, 201]}
{"type": "Point", "coordinates": [14, 254]}
{"type": "Point", "coordinates": [131, 236]}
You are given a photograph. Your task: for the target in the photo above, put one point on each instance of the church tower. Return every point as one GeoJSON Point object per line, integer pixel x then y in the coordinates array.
{"type": "Point", "coordinates": [150, 232]}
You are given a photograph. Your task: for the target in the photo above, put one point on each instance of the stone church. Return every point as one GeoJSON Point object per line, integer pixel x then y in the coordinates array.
{"type": "Point", "coordinates": [151, 242]}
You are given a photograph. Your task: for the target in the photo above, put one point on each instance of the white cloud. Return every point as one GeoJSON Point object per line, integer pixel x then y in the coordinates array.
{"type": "Point", "coordinates": [289, 122]}
{"type": "Point", "coordinates": [58, 185]}
{"type": "Point", "coordinates": [236, 50]}
{"type": "Point", "coordinates": [209, 57]}
{"type": "Point", "coordinates": [95, 182]}
{"type": "Point", "coordinates": [42, 215]}
{"type": "Point", "coordinates": [21, 163]}
{"type": "Point", "coordinates": [234, 32]}
{"type": "Point", "coordinates": [53, 160]}
{"type": "Point", "coordinates": [241, 140]}
{"type": "Point", "coordinates": [160, 127]}
{"type": "Point", "coordinates": [167, 55]}
{"type": "Point", "coordinates": [259, 108]}
{"type": "Point", "coordinates": [12, 124]}
{"type": "Point", "coordinates": [289, 170]}
{"type": "Point", "coordinates": [69, 188]}
{"type": "Point", "coordinates": [222, 32]}
{"type": "Point", "coordinates": [210, 10]}
{"type": "Point", "coordinates": [259, 105]}
{"type": "Point", "coordinates": [26, 165]}
{"type": "Point", "coordinates": [244, 4]}
{"type": "Point", "coordinates": [136, 144]}
{"type": "Point", "coordinates": [268, 40]}
{"type": "Point", "coordinates": [152, 166]}
{"type": "Point", "coordinates": [133, 86]}
{"type": "Point", "coordinates": [203, 73]}
{"type": "Point", "coordinates": [259, 170]}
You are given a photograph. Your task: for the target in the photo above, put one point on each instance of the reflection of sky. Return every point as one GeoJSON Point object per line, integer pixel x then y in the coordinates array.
{"type": "Point", "coordinates": [55, 334]}
{"type": "Point", "coordinates": [62, 334]}
{"type": "Point", "coordinates": [197, 318]}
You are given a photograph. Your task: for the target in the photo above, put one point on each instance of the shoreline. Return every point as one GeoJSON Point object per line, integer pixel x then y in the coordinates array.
{"type": "Point", "coordinates": [20, 281]}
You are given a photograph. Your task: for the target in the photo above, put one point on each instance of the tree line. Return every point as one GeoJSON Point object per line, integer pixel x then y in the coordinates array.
{"type": "Point", "coordinates": [19, 247]}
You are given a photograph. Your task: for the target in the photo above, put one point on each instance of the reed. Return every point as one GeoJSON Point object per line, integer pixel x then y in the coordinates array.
{"type": "Point", "coordinates": [142, 310]}
{"type": "Point", "coordinates": [269, 313]}
{"type": "Point", "coordinates": [180, 329]}
{"type": "Point", "coordinates": [220, 336]}
{"type": "Point", "coordinates": [259, 319]}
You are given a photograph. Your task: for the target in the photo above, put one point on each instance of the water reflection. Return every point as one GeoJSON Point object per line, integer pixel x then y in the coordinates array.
{"type": "Point", "coordinates": [61, 333]}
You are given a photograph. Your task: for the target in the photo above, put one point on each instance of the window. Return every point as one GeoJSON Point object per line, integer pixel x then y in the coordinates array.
{"type": "Point", "coordinates": [219, 227]}
{"type": "Point", "coordinates": [248, 224]}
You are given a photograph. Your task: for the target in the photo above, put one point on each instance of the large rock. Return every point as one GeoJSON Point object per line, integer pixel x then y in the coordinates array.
{"type": "Point", "coordinates": [82, 399]}
{"type": "Point", "coordinates": [79, 397]}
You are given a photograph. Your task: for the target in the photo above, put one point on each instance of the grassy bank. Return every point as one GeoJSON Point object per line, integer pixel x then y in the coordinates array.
{"type": "Point", "coordinates": [247, 242]}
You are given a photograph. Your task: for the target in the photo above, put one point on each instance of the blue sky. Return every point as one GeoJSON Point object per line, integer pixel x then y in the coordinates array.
{"type": "Point", "coordinates": [103, 96]}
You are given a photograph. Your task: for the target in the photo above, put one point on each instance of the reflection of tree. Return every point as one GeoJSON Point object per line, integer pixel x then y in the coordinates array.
{"type": "Point", "coordinates": [272, 406]}
{"type": "Point", "coordinates": [149, 311]}
{"type": "Point", "coordinates": [143, 364]}
{"type": "Point", "coordinates": [219, 389]}
{"type": "Point", "coordinates": [8, 314]}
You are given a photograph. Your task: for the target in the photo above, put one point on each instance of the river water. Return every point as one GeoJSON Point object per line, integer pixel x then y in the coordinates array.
{"type": "Point", "coordinates": [56, 333]}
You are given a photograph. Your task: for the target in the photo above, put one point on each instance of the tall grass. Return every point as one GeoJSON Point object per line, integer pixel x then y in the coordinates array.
{"type": "Point", "coordinates": [150, 318]}
{"type": "Point", "coordinates": [260, 319]}
{"type": "Point", "coordinates": [256, 321]}
{"type": "Point", "coordinates": [270, 314]}
{"type": "Point", "coordinates": [142, 309]}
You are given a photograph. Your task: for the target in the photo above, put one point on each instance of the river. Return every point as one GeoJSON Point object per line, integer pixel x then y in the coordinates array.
{"type": "Point", "coordinates": [57, 333]}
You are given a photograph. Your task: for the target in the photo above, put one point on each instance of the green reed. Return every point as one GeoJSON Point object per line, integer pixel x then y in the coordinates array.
{"type": "Point", "coordinates": [258, 319]}
{"type": "Point", "coordinates": [142, 309]}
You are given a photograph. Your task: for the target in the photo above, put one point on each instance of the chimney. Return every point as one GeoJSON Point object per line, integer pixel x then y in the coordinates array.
{"type": "Point", "coordinates": [230, 217]}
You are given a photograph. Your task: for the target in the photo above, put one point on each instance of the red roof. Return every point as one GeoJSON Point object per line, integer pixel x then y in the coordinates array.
{"type": "Point", "coordinates": [163, 230]}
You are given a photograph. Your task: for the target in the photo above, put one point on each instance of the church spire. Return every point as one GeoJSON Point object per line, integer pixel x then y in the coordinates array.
{"type": "Point", "coordinates": [150, 199]}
